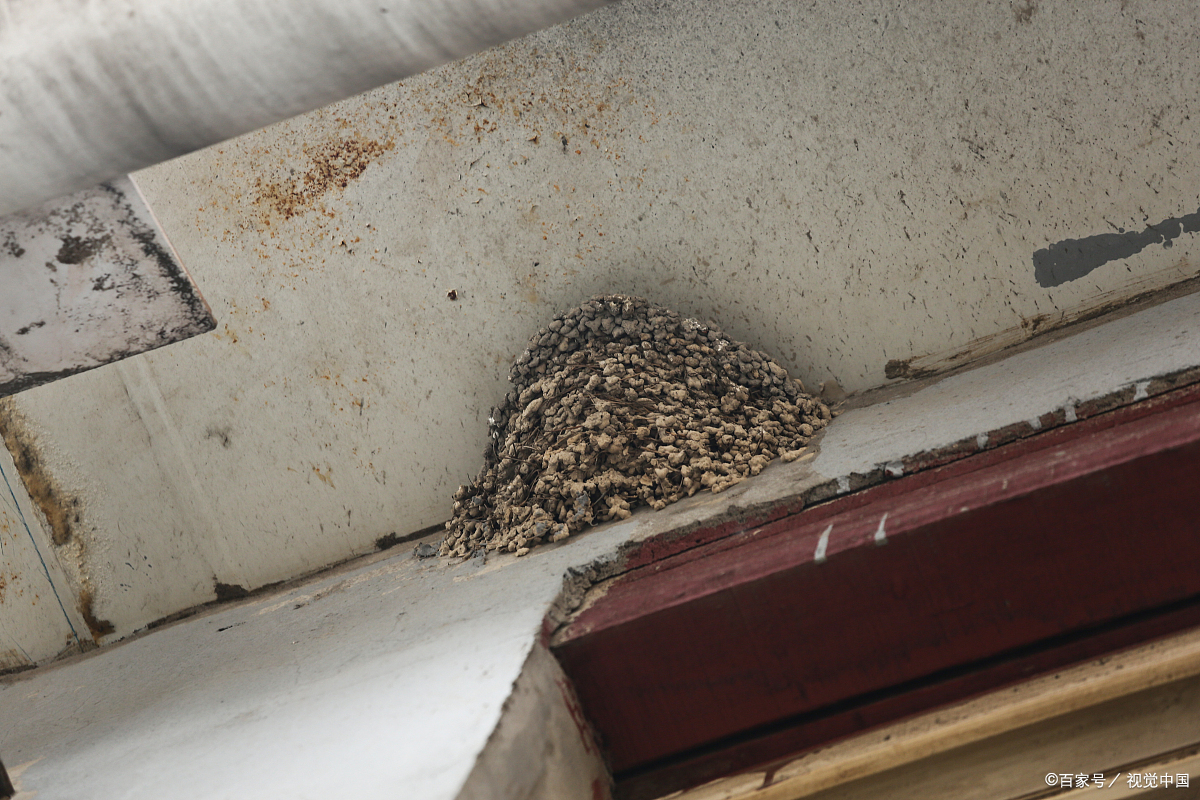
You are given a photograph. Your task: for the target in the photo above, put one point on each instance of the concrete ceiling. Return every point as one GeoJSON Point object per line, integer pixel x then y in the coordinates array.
{"type": "Point", "coordinates": [867, 191]}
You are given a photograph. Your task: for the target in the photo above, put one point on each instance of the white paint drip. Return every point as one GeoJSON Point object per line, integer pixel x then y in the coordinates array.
{"type": "Point", "coordinates": [822, 545]}
{"type": "Point", "coordinates": [1069, 412]}
{"type": "Point", "coordinates": [981, 440]}
{"type": "Point", "coordinates": [843, 484]}
{"type": "Point", "coordinates": [1139, 390]}
{"type": "Point", "coordinates": [1036, 423]}
{"type": "Point", "coordinates": [894, 468]}
{"type": "Point", "coordinates": [880, 533]}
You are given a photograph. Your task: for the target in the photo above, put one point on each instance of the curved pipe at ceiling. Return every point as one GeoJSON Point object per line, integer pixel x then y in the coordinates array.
{"type": "Point", "coordinates": [93, 89]}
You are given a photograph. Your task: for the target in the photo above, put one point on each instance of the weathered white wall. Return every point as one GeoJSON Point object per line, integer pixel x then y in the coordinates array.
{"type": "Point", "coordinates": [424, 679]}
{"type": "Point", "coordinates": [843, 185]}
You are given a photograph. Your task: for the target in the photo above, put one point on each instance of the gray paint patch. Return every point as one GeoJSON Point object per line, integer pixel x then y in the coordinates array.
{"type": "Point", "coordinates": [1071, 259]}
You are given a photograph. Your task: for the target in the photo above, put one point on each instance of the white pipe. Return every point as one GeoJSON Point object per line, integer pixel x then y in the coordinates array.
{"type": "Point", "coordinates": [92, 89]}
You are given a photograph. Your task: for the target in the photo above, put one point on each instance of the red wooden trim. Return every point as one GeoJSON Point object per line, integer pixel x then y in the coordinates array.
{"type": "Point", "coordinates": [785, 738]}
{"type": "Point", "coordinates": [739, 647]}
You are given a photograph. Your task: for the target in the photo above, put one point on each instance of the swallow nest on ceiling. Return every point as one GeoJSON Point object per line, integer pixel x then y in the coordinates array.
{"type": "Point", "coordinates": [621, 403]}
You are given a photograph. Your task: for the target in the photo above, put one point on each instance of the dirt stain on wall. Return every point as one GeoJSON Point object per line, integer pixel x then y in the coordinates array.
{"type": "Point", "coordinates": [229, 591]}
{"type": "Point", "coordinates": [903, 368]}
{"type": "Point", "coordinates": [62, 511]}
{"type": "Point", "coordinates": [99, 627]}
{"type": "Point", "coordinates": [332, 166]}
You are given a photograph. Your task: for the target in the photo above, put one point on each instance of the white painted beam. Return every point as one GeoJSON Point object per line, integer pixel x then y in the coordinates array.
{"type": "Point", "coordinates": [95, 90]}
{"type": "Point", "coordinates": [350, 685]}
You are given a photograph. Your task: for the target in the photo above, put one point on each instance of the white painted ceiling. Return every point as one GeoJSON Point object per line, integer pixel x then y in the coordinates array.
{"type": "Point", "coordinates": [841, 185]}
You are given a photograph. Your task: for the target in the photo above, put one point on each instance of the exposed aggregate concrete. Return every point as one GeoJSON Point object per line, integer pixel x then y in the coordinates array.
{"type": "Point", "coordinates": [620, 403]}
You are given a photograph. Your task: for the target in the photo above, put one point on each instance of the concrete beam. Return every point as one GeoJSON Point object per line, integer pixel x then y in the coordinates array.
{"type": "Point", "coordinates": [95, 91]}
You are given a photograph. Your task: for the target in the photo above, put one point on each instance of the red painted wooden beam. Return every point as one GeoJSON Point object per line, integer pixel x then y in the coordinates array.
{"type": "Point", "coordinates": [754, 644]}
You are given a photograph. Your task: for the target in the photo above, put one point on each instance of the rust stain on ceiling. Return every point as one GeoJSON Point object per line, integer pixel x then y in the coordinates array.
{"type": "Point", "coordinates": [98, 627]}
{"type": "Point", "coordinates": [332, 166]}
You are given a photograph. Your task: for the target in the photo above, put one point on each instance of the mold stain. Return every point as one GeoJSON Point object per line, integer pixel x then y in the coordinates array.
{"type": "Point", "coordinates": [62, 512]}
{"type": "Point", "coordinates": [229, 591]}
{"type": "Point", "coordinates": [77, 249]}
{"type": "Point", "coordinates": [107, 243]}
{"type": "Point", "coordinates": [11, 246]}
{"type": "Point", "coordinates": [12, 662]}
{"type": "Point", "coordinates": [387, 541]}
{"type": "Point", "coordinates": [903, 369]}
{"type": "Point", "coordinates": [98, 626]}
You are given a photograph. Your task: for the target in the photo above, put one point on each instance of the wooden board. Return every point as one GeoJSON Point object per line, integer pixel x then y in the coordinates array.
{"type": "Point", "coordinates": [874, 607]}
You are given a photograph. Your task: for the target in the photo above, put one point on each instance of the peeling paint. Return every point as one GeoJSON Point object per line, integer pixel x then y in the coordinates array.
{"type": "Point", "coordinates": [87, 280]}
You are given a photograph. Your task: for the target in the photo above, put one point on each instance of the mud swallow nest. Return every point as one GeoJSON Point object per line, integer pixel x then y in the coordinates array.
{"type": "Point", "coordinates": [621, 403]}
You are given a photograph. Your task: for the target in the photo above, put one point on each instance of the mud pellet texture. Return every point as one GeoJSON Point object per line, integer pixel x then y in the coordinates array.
{"type": "Point", "coordinates": [622, 403]}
